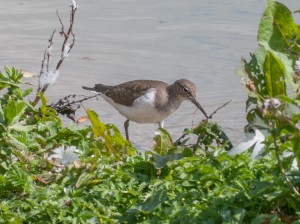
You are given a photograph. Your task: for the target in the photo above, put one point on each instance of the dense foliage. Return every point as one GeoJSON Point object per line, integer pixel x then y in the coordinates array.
{"type": "Point", "coordinates": [55, 174]}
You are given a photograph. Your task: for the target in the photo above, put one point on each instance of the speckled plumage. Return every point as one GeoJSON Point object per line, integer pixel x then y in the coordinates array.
{"type": "Point", "coordinates": [147, 101]}
{"type": "Point", "coordinates": [127, 92]}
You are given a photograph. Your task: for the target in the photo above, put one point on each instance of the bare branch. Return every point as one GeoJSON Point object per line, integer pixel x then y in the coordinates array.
{"type": "Point", "coordinates": [42, 65]}
{"type": "Point", "coordinates": [67, 36]}
{"type": "Point", "coordinates": [73, 41]}
{"type": "Point", "coordinates": [67, 106]}
{"type": "Point", "coordinates": [178, 141]}
{"type": "Point", "coordinates": [224, 105]}
{"type": "Point", "coordinates": [49, 49]}
{"type": "Point", "coordinates": [47, 55]}
{"type": "Point", "coordinates": [62, 30]}
{"type": "Point", "coordinates": [53, 73]}
{"type": "Point", "coordinates": [41, 72]}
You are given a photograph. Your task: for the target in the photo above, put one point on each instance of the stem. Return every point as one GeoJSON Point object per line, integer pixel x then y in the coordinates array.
{"type": "Point", "coordinates": [224, 105]}
{"type": "Point", "coordinates": [282, 170]}
{"type": "Point", "coordinates": [73, 102]}
{"type": "Point", "coordinates": [47, 55]}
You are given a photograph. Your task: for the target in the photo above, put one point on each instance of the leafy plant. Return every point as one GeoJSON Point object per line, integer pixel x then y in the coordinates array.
{"type": "Point", "coordinates": [273, 86]}
{"type": "Point", "coordinates": [55, 174]}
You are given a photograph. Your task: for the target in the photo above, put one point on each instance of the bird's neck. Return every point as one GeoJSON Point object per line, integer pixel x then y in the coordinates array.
{"type": "Point", "coordinates": [169, 101]}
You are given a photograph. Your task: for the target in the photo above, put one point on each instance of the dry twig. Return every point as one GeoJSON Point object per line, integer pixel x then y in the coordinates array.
{"type": "Point", "coordinates": [48, 76]}
{"type": "Point", "coordinates": [178, 141]}
{"type": "Point", "coordinates": [224, 105]}
{"type": "Point", "coordinates": [68, 105]}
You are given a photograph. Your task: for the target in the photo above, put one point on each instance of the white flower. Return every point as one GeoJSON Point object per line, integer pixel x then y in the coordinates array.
{"type": "Point", "coordinates": [270, 104]}
{"type": "Point", "coordinates": [66, 156]}
{"type": "Point", "coordinates": [256, 141]}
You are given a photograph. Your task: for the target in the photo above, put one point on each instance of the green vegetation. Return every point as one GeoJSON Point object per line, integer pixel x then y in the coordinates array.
{"type": "Point", "coordinates": [55, 174]}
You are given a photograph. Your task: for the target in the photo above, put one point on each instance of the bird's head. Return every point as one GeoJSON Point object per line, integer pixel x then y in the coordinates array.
{"type": "Point", "coordinates": [186, 90]}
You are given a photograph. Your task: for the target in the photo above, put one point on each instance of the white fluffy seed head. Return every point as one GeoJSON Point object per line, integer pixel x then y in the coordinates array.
{"type": "Point", "coordinates": [65, 53]}
{"type": "Point", "coordinates": [74, 4]}
{"type": "Point", "coordinates": [49, 77]}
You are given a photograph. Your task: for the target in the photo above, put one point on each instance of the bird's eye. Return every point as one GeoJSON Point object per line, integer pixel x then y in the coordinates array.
{"type": "Point", "coordinates": [186, 90]}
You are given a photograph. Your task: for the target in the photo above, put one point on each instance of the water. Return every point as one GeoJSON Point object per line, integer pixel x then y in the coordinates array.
{"type": "Point", "coordinates": [122, 40]}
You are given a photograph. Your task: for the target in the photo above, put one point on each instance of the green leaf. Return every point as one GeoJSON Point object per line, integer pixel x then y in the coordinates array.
{"type": "Point", "coordinates": [153, 201]}
{"type": "Point", "coordinates": [12, 78]}
{"type": "Point", "coordinates": [83, 179]}
{"type": "Point", "coordinates": [239, 214]}
{"type": "Point", "coordinates": [277, 28]}
{"type": "Point", "coordinates": [254, 71]}
{"type": "Point", "coordinates": [20, 109]}
{"type": "Point", "coordinates": [226, 216]}
{"type": "Point", "coordinates": [15, 142]}
{"type": "Point", "coordinates": [263, 218]}
{"type": "Point", "coordinates": [100, 130]}
{"type": "Point", "coordinates": [23, 128]}
{"type": "Point", "coordinates": [280, 35]}
{"type": "Point", "coordinates": [163, 142]}
{"type": "Point", "coordinates": [10, 111]}
{"type": "Point", "coordinates": [2, 117]}
{"type": "Point", "coordinates": [160, 161]}
{"type": "Point", "coordinates": [274, 76]}
{"type": "Point", "coordinates": [43, 99]}
{"type": "Point", "coordinates": [98, 127]}
{"type": "Point", "coordinates": [27, 92]}
{"type": "Point", "coordinates": [3, 81]}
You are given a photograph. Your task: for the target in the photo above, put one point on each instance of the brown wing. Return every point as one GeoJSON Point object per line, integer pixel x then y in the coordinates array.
{"type": "Point", "coordinates": [127, 92]}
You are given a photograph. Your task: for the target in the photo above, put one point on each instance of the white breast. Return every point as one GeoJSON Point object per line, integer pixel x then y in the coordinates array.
{"type": "Point", "coordinates": [143, 109]}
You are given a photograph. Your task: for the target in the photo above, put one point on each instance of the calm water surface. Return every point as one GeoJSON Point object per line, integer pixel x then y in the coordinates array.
{"type": "Point", "coordinates": [122, 40]}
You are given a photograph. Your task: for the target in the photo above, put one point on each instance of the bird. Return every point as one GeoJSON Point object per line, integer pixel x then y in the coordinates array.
{"type": "Point", "coordinates": [147, 101]}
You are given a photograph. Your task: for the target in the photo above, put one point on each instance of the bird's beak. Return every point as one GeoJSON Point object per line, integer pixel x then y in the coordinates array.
{"type": "Point", "coordinates": [195, 101]}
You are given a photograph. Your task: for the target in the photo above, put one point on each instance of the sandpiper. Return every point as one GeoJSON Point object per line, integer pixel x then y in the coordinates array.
{"type": "Point", "coordinates": [147, 101]}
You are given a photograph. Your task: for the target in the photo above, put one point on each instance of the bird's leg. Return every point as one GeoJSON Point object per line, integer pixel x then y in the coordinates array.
{"type": "Point", "coordinates": [126, 125]}
{"type": "Point", "coordinates": [161, 124]}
